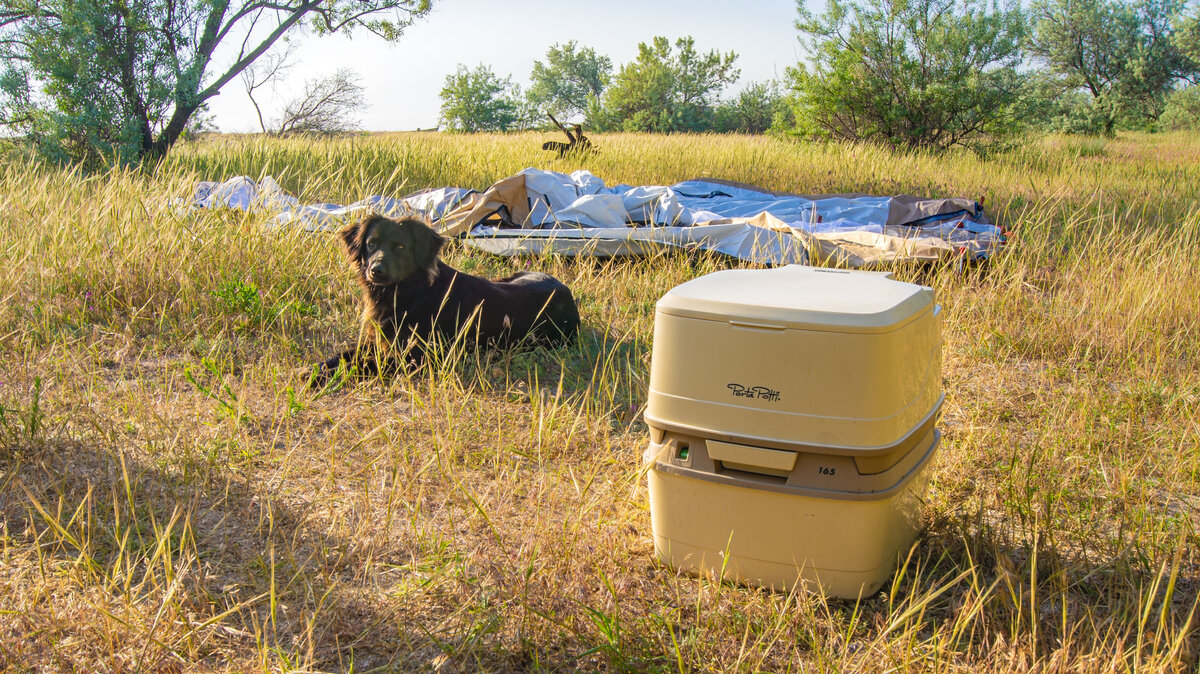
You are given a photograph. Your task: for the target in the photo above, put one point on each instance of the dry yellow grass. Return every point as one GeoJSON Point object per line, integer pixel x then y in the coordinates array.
{"type": "Point", "coordinates": [170, 501]}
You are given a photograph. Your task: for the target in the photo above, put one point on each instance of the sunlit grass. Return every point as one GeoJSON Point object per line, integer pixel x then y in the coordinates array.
{"type": "Point", "coordinates": [172, 498]}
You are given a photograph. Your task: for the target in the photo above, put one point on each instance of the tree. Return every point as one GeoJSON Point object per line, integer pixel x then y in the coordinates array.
{"type": "Point", "coordinates": [100, 79]}
{"type": "Point", "coordinates": [913, 73]}
{"type": "Point", "coordinates": [478, 100]}
{"type": "Point", "coordinates": [569, 77]}
{"type": "Point", "coordinates": [665, 91]}
{"type": "Point", "coordinates": [267, 70]}
{"type": "Point", "coordinates": [1187, 37]}
{"type": "Point", "coordinates": [326, 106]}
{"type": "Point", "coordinates": [1182, 108]}
{"type": "Point", "coordinates": [1124, 56]}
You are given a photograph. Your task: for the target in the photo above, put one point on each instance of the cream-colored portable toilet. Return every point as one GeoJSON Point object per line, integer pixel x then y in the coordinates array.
{"type": "Point", "coordinates": [791, 416]}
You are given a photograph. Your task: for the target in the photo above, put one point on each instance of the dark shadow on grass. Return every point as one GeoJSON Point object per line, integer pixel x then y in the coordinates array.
{"type": "Point", "coordinates": [606, 371]}
{"type": "Point", "coordinates": [267, 574]}
{"type": "Point", "coordinates": [1010, 596]}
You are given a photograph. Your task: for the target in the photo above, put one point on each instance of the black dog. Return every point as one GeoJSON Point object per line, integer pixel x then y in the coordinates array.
{"type": "Point", "coordinates": [414, 298]}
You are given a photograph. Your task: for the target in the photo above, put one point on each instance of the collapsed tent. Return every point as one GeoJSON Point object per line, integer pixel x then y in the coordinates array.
{"type": "Point", "coordinates": [538, 211]}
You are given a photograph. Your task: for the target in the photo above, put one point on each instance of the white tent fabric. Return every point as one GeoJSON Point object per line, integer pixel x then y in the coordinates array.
{"type": "Point", "coordinates": [243, 193]}
{"type": "Point", "coordinates": [579, 214]}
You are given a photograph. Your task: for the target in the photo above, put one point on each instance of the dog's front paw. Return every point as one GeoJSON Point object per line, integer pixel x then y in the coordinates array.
{"type": "Point", "coordinates": [312, 376]}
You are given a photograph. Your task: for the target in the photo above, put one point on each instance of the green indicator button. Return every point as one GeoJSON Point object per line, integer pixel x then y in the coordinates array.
{"type": "Point", "coordinates": [683, 452]}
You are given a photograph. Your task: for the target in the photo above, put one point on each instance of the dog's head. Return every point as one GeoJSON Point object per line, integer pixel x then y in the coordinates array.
{"type": "Point", "coordinates": [386, 251]}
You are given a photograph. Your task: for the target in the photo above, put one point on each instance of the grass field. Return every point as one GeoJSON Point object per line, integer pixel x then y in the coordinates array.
{"type": "Point", "coordinates": [172, 500]}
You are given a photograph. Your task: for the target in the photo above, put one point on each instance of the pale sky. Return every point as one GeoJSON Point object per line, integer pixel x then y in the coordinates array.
{"type": "Point", "coordinates": [403, 80]}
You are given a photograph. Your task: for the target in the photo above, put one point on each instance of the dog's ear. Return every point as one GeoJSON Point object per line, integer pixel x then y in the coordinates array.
{"type": "Point", "coordinates": [427, 244]}
{"type": "Point", "coordinates": [352, 235]}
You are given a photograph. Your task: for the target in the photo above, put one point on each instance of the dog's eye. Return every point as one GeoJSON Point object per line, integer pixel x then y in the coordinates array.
{"type": "Point", "coordinates": [372, 246]}
{"type": "Point", "coordinates": [399, 246]}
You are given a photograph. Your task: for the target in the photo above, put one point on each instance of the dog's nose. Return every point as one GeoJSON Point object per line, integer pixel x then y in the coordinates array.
{"type": "Point", "coordinates": [377, 268]}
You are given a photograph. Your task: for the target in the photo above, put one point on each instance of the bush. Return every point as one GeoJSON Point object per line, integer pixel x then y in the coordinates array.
{"type": "Point", "coordinates": [753, 110]}
{"type": "Point", "coordinates": [919, 73]}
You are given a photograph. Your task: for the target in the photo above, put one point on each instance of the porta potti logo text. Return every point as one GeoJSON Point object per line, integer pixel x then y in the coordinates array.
{"type": "Point", "coordinates": [757, 392]}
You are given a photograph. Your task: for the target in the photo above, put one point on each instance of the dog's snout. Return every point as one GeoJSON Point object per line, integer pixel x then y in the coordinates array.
{"type": "Point", "coordinates": [376, 268]}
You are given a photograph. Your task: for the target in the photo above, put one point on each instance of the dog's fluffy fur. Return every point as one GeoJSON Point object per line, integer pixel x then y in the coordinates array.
{"type": "Point", "coordinates": [412, 298]}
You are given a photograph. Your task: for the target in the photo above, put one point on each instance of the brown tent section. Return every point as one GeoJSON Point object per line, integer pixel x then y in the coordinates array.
{"type": "Point", "coordinates": [507, 200]}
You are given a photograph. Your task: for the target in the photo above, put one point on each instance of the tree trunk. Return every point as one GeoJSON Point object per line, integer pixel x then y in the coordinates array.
{"type": "Point", "coordinates": [174, 129]}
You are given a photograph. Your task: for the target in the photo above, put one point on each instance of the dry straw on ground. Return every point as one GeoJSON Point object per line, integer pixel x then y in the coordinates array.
{"type": "Point", "coordinates": [170, 500]}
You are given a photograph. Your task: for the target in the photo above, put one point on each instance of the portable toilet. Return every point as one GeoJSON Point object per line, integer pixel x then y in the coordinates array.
{"type": "Point", "coordinates": [791, 415]}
